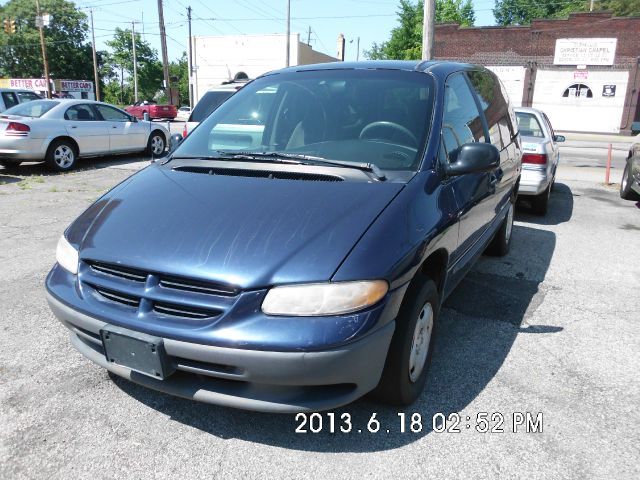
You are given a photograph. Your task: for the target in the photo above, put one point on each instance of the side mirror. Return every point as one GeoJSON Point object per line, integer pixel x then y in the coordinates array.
{"type": "Point", "coordinates": [559, 138]}
{"type": "Point", "coordinates": [475, 158]}
{"type": "Point", "coordinates": [145, 115]}
{"type": "Point", "coordinates": [176, 139]}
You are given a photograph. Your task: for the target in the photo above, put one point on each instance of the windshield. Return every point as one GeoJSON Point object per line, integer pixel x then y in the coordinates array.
{"type": "Point", "coordinates": [380, 117]}
{"type": "Point", "coordinates": [35, 109]}
{"type": "Point", "coordinates": [208, 104]}
{"type": "Point", "coordinates": [528, 125]}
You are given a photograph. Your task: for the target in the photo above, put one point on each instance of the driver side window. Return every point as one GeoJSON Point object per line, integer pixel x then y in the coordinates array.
{"type": "Point", "coordinates": [461, 122]}
{"type": "Point", "coordinates": [111, 114]}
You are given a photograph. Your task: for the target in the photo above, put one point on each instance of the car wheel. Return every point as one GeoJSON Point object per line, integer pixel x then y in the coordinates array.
{"type": "Point", "coordinates": [10, 165]}
{"type": "Point", "coordinates": [411, 348]}
{"type": "Point", "coordinates": [625, 185]}
{"type": "Point", "coordinates": [540, 203]}
{"type": "Point", "coordinates": [501, 242]}
{"type": "Point", "coordinates": [61, 156]}
{"type": "Point", "coordinates": [156, 144]}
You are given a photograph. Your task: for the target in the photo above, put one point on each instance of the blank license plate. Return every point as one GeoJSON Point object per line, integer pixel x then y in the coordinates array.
{"type": "Point", "coordinates": [138, 351]}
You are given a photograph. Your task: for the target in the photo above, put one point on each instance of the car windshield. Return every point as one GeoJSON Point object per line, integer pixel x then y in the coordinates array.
{"type": "Point", "coordinates": [529, 125]}
{"type": "Point", "coordinates": [379, 117]}
{"type": "Point", "coordinates": [208, 104]}
{"type": "Point", "coordinates": [34, 109]}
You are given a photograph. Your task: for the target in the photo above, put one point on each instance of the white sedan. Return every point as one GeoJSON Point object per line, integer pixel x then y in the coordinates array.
{"type": "Point", "coordinates": [59, 132]}
{"type": "Point", "coordinates": [183, 114]}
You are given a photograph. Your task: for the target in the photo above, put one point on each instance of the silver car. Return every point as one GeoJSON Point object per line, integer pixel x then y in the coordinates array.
{"type": "Point", "coordinates": [540, 156]}
{"type": "Point", "coordinates": [61, 131]}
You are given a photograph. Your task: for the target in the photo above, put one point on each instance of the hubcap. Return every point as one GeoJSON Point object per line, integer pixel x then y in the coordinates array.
{"type": "Point", "coordinates": [420, 343]}
{"type": "Point", "coordinates": [157, 145]}
{"type": "Point", "coordinates": [63, 156]}
{"type": "Point", "coordinates": [507, 234]}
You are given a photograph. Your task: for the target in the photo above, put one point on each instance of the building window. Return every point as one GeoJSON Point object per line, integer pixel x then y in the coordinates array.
{"type": "Point", "coordinates": [578, 90]}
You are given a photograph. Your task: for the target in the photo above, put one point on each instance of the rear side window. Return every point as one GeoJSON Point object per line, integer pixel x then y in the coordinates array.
{"type": "Point", "coordinates": [529, 125]}
{"type": "Point", "coordinates": [490, 94]}
{"type": "Point", "coordinates": [9, 99]}
{"type": "Point", "coordinates": [208, 104]}
{"type": "Point", "coordinates": [461, 120]}
{"type": "Point", "coordinates": [80, 113]}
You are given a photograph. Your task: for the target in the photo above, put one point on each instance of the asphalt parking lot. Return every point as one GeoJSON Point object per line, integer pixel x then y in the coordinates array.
{"type": "Point", "coordinates": [551, 328]}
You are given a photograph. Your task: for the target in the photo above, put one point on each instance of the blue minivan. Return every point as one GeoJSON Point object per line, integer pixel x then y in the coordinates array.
{"type": "Point", "coordinates": [293, 252]}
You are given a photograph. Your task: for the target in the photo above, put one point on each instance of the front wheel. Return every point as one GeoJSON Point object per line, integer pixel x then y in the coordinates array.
{"type": "Point", "coordinates": [625, 185]}
{"type": "Point", "coordinates": [61, 156]}
{"type": "Point", "coordinates": [501, 243]}
{"type": "Point", "coordinates": [411, 349]}
{"type": "Point", "coordinates": [156, 144]}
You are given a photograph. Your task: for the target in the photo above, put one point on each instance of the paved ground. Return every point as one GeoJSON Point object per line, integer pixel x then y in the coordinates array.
{"type": "Point", "coordinates": [551, 328]}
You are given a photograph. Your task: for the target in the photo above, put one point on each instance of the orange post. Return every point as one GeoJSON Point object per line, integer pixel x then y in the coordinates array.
{"type": "Point", "coordinates": [608, 172]}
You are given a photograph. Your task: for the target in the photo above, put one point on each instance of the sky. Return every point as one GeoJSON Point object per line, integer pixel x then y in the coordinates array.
{"type": "Point", "coordinates": [371, 20]}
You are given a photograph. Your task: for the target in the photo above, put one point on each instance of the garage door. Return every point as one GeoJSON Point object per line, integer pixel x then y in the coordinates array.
{"type": "Point", "coordinates": [582, 100]}
{"type": "Point", "coordinates": [513, 80]}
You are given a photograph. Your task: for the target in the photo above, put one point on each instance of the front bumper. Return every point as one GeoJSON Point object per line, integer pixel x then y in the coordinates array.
{"type": "Point", "coordinates": [268, 381]}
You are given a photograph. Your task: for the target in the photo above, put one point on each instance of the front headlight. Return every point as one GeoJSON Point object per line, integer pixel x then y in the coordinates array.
{"type": "Point", "coordinates": [323, 298]}
{"type": "Point", "coordinates": [67, 256]}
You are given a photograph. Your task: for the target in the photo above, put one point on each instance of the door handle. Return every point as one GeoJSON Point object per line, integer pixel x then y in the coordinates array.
{"type": "Point", "coordinates": [74, 126]}
{"type": "Point", "coordinates": [114, 126]}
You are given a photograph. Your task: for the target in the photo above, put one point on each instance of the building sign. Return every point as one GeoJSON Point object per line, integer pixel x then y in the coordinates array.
{"type": "Point", "coordinates": [608, 90]}
{"type": "Point", "coordinates": [585, 51]}
{"type": "Point", "coordinates": [37, 84]}
{"type": "Point", "coordinates": [581, 75]}
{"type": "Point", "coordinates": [73, 86]}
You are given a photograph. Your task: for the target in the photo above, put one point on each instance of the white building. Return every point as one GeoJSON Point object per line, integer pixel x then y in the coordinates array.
{"type": "Point", "coordinates": [217, 59]}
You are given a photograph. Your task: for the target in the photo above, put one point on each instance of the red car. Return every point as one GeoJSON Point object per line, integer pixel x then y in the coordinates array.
{"type": "Point", "coordinates": [155, 111]}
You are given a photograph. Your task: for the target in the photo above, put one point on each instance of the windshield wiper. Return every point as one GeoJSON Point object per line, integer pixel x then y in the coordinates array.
{"type": "Point", "coordinates": [289, 158]}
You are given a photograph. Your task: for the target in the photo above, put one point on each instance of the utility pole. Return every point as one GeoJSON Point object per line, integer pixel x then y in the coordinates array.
{"type": "Point", "coordinates": [163, 44]}
{"type": "Point", "coordinates": [288, 30]}
{"type": "Point", "coordinates": [95, 60]}
{"type": "Point", "coordinates": [135, 62]}
{"type": "Point", "coordinates": [309, 36]}
{"type": "Point", "coordinates": [428, 29]}
{"type": "Point", "coordinates": [40, 22]}
{"type": "Point", "coordinates": [358, 49]}
{"type": "Point", "coordinates": [190, 60]}
{"type": "Point", "coordinates": [591, 6]}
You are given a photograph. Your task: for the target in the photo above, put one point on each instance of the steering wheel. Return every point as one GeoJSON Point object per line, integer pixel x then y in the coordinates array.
{"type": "Point", "coordinates": [392, 128]}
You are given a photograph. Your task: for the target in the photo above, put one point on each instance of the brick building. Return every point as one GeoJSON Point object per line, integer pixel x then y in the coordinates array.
{"type": "Point", "coordinates": [582, 71]}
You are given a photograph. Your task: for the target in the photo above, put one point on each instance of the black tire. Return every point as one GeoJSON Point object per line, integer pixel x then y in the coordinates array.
{"type": "Point", "coordinates": [626, 192]}
{"type": "Point", "coordinates": [62, 156]}
{"type": "Point", "coordinates": [9, 165]}
{"type": "Point", "coordinates": [501, 242]}
{"type": "Point", "coordinates": [152, 147]}
{"type": "Point", "coordinates": [396, 386]}
{"type": "Point", "coordinates": [540, 203]}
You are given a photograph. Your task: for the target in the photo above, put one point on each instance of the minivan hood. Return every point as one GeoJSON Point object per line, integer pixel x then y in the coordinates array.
{"type": "Point", "coordinates": [242, 231]}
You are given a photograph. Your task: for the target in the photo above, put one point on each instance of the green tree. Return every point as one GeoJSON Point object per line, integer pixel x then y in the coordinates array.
{"type": "Point", "coordinates": [519, 12]}
{"type": "Point", "coordinates": [620, 8]}
{"type": "Point", "coordinates": [120, 61]}
{"type": "Point", "coordinates": [406, 39]}
{"type": "Point", "coordinates": [68, 54]}
{"type": "Point", "coordinates": [180, 69]}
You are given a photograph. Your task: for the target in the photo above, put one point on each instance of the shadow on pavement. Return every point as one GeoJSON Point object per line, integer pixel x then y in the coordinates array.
{"type": "Point", "coordinates": [478, 325]}
{"type": "Point", "coordinates": [559, 211]}
{"type": "Point", "coordinates": [31, 169]}
{"type": "Point", "coordinates": [6, 179]}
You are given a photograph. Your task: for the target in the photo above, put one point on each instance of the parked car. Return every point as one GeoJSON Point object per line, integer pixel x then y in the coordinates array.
{"type": "Point", "coordinates": [540, 158]}
{"type": "Point", "coordinates": [301, 273]}
{"type": "Point", "coordinates": [59, 132]}
{"type": "Point", "coordinates": [10, 97]}
{"type": "Point", "coordinates": [183, 114]}
{"type": "Point", "coordinates": [630, 182]}
{"type": "Point", "coordinates": [211, 100]}
{"type": "Point", "coordinates": [155, 111]}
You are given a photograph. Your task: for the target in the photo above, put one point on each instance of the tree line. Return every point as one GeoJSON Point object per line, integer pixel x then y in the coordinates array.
{"type": "Point", "coordinates": [70, 56]}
